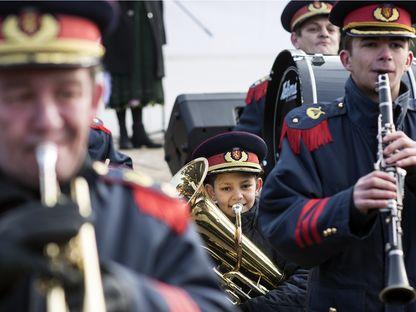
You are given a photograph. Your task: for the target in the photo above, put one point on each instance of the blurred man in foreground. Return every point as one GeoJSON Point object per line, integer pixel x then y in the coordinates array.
{"type": "Point", "coordinates": [149, 254]}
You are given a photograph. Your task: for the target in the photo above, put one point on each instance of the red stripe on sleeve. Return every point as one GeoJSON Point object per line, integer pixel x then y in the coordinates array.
{"type": "Point", "coordinates": [176, 298]}
{"type": "Point", "coordinates": [309, 204]}
{"type": "Point", "coordinates": [305, 226]}
{"type": "Point", "coordinates": [316, 215]}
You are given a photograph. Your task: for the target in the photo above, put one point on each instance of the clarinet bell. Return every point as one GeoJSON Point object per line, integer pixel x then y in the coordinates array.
{"type": "Point", "coordinates": [398, 290]}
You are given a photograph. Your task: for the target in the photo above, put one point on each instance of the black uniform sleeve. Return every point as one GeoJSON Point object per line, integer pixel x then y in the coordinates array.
{"type": "Point", "coordinates": [101, 147]}
{"type": "Point", "coordinates": [182, 281]}
{"type": "Point", "coordinates": [287, 297]}
{"type": "Point", "coordinates": [150, 235]}
{"type": "Point", "coordinates": [251, 120]}
{"type": "Point", "coordinates": [295, 216]}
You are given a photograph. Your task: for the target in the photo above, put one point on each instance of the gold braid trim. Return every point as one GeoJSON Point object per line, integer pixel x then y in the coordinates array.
{"type": "Point", "coordinates": [379, 24]}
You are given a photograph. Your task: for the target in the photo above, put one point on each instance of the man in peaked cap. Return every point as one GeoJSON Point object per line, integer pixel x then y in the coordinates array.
{"type": "Point", "coordinates": [321, 204]}
{"type": "Point", "coordinates": [311, 31]}
{"type": "Point", "coordinates": [149, 253]}
{"type": "Point", "coordinates": [234, 176]}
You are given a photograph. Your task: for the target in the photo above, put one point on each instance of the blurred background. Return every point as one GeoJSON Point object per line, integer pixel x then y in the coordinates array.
{"type": "Point", "coordinates": [212, 46]}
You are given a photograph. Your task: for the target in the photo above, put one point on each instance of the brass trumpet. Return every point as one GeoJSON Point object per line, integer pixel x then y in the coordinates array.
{"type": "Point", "coordinates": [82, 249]}
{"type": "Point", "coordinates": [244, 271]}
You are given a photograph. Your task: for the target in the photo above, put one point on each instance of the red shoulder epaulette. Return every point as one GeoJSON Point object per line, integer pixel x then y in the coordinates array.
{"type": "Point", "coordinates": [171, 211]}
{"type": "Point", "coordinates": [313, 138]}
{"type": "Point", "coordinates": [156, 200]}
{"type": "Point", "coordinates": [257, 90]}
{"type": "Point", "coordinates": [309, 124]}
{"type": "Point", "coordinates": [99, 125]}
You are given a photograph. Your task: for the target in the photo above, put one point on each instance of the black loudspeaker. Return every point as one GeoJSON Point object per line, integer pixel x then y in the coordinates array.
{"type": "Point", "coordinates": [196, 117]}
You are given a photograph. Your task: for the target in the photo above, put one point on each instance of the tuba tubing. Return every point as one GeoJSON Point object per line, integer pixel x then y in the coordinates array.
{"type": "Point", "coordinates": [257, 274]}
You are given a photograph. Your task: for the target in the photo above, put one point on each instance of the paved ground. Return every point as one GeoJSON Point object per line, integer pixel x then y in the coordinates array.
{"type": "Point", "coordinates": [150, 161]}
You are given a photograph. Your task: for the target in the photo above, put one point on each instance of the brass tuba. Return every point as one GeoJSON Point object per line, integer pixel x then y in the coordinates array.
{"type": "Point", "coordinates": [80, 251]}
{"type": "Point", "coordinates": [244, 271]}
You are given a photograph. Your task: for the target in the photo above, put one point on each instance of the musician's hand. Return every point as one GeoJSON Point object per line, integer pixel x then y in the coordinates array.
{"type": "Point", "coordinates": [25, 230]}
{"type": "Point", "coordinates": [400, 151]}
{"type": "Point", "coordinates": [116, 289]}
{"type": "Point", "coordinates": [373, 191]}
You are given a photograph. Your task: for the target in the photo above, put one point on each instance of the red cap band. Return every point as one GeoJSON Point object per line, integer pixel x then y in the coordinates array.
{"type": "Point", "coordinates": [234, 158]}
{"type": "Point", "coordinates": [376, 15]}
{"type": "Point", "coordinates": [34, 38]}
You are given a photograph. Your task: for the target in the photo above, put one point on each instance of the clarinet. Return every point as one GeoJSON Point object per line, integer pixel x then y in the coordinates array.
{"type": "Point", "coordinates": [398, 289]}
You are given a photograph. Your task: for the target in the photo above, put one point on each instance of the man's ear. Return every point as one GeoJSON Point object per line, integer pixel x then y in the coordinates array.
{"type": "Point", "coordinates": [259, 185]}
{"type": "Point", "coordinates": [97, 98]}
{"type": "Point", "coordinates": [210, 191]}
{"type": "Point", "coordinates": [409, 60]}
{"type": "Point", "coordinates": [294, 39]}
{"type": "Point", "coordinates": [345, 58]}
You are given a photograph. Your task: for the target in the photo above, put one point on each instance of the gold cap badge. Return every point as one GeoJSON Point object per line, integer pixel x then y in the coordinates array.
{"type": "Point", "coordinates": [386, 13]}
{"type": "Point", "coordinates": [236, 155]}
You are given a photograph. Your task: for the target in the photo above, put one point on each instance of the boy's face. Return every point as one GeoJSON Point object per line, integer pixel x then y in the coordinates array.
{"type": "Point", "coordinates": [234, 187]}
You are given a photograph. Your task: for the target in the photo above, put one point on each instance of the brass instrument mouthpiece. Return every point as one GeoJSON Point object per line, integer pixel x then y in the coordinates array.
{"type": "Point", "coordinates": [237, 208]}
{"type": "Point", "coordinates": [46, 157]}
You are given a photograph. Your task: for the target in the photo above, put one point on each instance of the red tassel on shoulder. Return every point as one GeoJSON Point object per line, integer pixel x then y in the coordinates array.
{"type": "Point", "coordinates": [257, 92]}
{"type": "Point", "coordinates": [313, 138]}
{"type": "Point", "coordinates": [250, 95]}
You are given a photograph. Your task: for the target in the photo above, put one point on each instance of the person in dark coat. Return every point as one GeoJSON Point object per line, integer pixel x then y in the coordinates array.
{"type": "Point", "coordinates": [311, 31]}
{"type": "Point", "coordinates": [101, 146]}
{"type": "Point", "coordinates": [134, 60]}
{"type": "Point", "coordinates": [149, 255]}
{"type": "Point", "coordinates": [234, 177]}
{"type": "Point", "coordinates": [320, 206]}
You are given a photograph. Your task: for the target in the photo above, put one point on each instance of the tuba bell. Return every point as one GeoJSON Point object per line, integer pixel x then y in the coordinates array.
{"type": "Point", "coordinates": [243, 269]}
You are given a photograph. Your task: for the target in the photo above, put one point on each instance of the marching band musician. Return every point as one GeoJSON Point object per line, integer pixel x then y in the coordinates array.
{"type": "Point", "coordinates": [320, 204]}
{"type": "Point", "coordinates": [149, 253]}
{"type": "Point", "coordinates": [101, 146]}
{"type": "Point", "coordinates": [234, 177]}
{"type": "Point", "coordinates": [311, 31]}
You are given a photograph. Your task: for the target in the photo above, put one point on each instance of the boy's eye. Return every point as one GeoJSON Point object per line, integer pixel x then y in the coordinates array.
{"type": "Point", "coordinates": [225, 189]}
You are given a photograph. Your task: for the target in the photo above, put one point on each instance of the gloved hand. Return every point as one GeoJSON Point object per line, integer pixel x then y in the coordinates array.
{"type": "Point", "coordinates": [24, 232]}
{"type": "Point", "coordinates": [27, 229]}
{"type": "Point", "coordinates": [116, 288]}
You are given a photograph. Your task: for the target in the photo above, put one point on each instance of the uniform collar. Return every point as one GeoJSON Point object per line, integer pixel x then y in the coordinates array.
{"type": "Point", "coordinates": [248, 217]}
{"type": "Point", "coordinates": [364, 112]}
